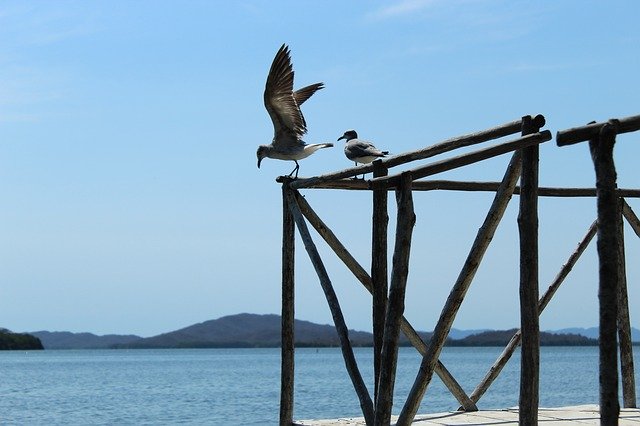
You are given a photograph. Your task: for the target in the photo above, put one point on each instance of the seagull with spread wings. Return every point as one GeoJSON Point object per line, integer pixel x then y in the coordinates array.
{"type": "Point", "coordinates": [283, 106]}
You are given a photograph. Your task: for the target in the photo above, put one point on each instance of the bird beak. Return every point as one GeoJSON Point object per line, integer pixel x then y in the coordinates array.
{"type": "Point", "coordinates": [259, 161]}
{"type": "Point", "coordinates": [342, 137]}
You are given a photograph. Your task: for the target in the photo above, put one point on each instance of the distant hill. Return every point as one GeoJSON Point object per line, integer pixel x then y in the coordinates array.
{"type": "Point", "coordinates": [251, 330]}
{"type": "Point", "coordinates": [457, 334]}
{"type": "Point", "coordinates": [247, 330]}
{"type": "Point", "coordinates": [502, 337]}
{"type": "Point", "coordinates": [18, 341]}
{"type": "Point", "coordinates": [593, 332]}
{"type": "Point", "coordinates": [67, 340]}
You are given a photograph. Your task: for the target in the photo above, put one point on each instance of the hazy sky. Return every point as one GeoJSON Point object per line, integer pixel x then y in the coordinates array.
{"type": "Point", "coordinates": [131, 201]}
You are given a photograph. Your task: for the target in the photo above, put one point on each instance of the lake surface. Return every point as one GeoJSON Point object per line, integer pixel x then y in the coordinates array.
{"type": "Point", "coordinates": [242, 386]}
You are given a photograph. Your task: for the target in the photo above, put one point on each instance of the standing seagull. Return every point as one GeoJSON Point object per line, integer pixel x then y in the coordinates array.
{"type": "Point", "coordinates": [360, 151]}
{"type": "Point", "coordinates": [283, 105]}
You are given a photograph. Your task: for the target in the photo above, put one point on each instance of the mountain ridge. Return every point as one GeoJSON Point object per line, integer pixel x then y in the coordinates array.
{"type": "Point", "coordinates": [69, 340]}
{"type": "Point", "coordinates": [255, 330]}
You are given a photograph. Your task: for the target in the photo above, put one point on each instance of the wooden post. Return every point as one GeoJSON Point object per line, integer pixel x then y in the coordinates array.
{"type": "Point", "coordinates": [332, 300]}
{"type": "Point", "coordinates": [529, 316]}
{"type": "Point", "coordinates": [380, 222]}
{"type": "Point", "coordinates": [626, 348]}
{"type": "Point", "coordinates": [624, 323]}
{"type": "Point", "coordinates": [288, 312]}
{"type": "Point", "coordinates": [602, 155]}
{"type": "Point", "coordinates": [404, 229]}
{"type": "Point", "coordinates": [502, 360]}
{"type": "Point", "coordinates": [362, 276]}
{"type": "Point", "coordinates": [459, 290]}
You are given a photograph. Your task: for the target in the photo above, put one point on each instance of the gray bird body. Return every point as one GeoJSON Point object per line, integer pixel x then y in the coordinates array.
{"type": "Point", "coordinates": [283, 106]}
{"type": "Point", "coordinates": [360, 151]}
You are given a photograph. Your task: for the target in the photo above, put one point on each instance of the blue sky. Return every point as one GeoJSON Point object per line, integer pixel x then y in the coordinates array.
{"type": "Point", "coordinates": [128, 130]}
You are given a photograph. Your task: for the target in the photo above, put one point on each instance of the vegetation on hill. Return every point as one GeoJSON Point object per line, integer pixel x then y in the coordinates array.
{"type": "Point", "coordinates": [252, 331]}
{"type": "Point", "coordinates": [68, 340]}
{"type": "Point", "coordinates": [247, 331]}
{"type": "Point", "coordinates": [502, 337]}
{"type": "Point", "coordinates": [18, 341]}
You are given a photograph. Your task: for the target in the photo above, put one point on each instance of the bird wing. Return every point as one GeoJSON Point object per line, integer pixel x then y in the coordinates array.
{"type": "Point", "coordinates": [362, 148]}
{"type": "Point", "coordinates": [301, 95]}
{"type": "Point", "coordinates": [279, 99]}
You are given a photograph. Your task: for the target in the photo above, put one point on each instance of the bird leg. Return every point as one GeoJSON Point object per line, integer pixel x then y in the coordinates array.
{"type": "Point", "coordinates": [356, 177]}
{"type": "Point", "coordinates": [295, 170]}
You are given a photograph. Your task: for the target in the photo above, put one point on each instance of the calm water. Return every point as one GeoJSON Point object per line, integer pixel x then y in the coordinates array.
{"type": "Point", "coordinates": [241, 386]}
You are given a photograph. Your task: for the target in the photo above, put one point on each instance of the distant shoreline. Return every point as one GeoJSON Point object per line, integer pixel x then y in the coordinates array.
{"type": "Point", "coordinates": [298, 346]}
{"type": "Point", "coordinates": [264, 331]}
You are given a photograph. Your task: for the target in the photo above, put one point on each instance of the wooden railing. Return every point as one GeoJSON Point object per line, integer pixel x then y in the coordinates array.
{"type": "Point", "coordinates": [388, 296]}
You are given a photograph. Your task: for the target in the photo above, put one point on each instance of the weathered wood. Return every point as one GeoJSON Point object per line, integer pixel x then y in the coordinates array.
{"type": "Point", "coordinates": [529, 315]}
{"type": "Point", "coordinates": [602, 155]}
{"type": "Point", "coordinates": [362, 276]}
{"type": "Point", "coordinates": [460, 142]}
{"type": "Point", "coordinates": [465, 159]}
{"type": "Point", "coordinates": [592, 130]}
{"type": "Point", "coordinates": [334, 243]}
{"type": "Point", "coordinates": [380, 221]}
{"type": "Point", "coordinates": [459, 290]}
{"type": "Point", "coordinates": [336, 312]}
{"type": "Point", "coordinates": [508, 351]}
{"type": "Point", "coordinates": [631, 217]}
{"type": "Point", "coordinates": [450, 382]}
{"type": "Point", "coordinates": [449, 185]}
{"type": "Point", "coordinates": [288, 312]}
{"type": "Point", "coordinates": [347, 184]}
{"type": "Point", "coordinates": [430, 151]}
{"type": "Point", "coordinates": [431, 185]}
{"type": "Point", "coordinates": [567, 267]}
{"type": "Point", "coordinates": [624, 323]}
{"type": "Point", "coordinates": [406, 220]}
{"type": "Point", "coordinates": [496, 368]}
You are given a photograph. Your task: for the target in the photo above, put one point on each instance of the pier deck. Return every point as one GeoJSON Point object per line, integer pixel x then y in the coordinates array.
{"type": "Point", "coordinates": [578, 415]}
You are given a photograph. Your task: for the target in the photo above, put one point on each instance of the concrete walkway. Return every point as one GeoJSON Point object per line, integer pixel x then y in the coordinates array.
{"type": "Point", "coordinates": [578, 415]}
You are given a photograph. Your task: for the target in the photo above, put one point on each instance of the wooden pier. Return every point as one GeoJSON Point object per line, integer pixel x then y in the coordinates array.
{"type": "Point", "coordinates": [388, 289]}
{"type": "Point", "coordinates": [576, 415]}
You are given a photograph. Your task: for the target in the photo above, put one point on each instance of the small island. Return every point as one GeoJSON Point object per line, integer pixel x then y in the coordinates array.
{"type": "Point", "coordinates": [10, 341]}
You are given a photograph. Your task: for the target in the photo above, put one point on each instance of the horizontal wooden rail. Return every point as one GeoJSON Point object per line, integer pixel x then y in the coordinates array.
{"type": "Point", "coordinates": [493, 186]}
{"type": "Point", "coordinates": [470, 186]}
{"type": "Point", "coordinates": [592, 130]}
{"type": "Point", "coordinates": [430, 151]}
{"type": "Point", "coordinates": [465, 159]}
{"type": "Point", "coordinates": [460, 142]}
